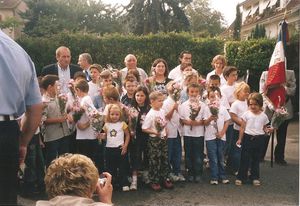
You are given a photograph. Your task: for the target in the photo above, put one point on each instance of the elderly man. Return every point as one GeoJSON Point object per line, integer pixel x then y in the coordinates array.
{"type": "Point", "coordinates": [131, 64]}
{"type": "Point", "coordinates": [290, 88]}
{"type": "Point", "coordinates": [185, 57]}
{"type": "Point", "coordinates": [62, 68]}
{"type": "Point", "coordinates": [19, 93]}
{"type": "Point", "coordinates": [85, 61]}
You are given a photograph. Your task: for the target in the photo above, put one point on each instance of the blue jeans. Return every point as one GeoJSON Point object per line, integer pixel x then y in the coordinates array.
{"type": "Point", "coordinates": [234, 153]}
{"type": "Point", "coordinates": [194, 148]}
{"type": "Point", "coordinates": [174, 153]}
{"type": "Point", "coordinates": [56, 148]}
{"type": "Point", "coordinates": [215, 152]}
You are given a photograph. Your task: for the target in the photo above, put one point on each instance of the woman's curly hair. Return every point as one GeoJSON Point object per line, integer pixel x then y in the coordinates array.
{"type": "Point", "coordinates": [71, 174]}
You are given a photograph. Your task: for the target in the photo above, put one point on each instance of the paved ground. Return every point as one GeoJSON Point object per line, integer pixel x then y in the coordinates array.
{"type": "Point", "coordinates": [280, 186]}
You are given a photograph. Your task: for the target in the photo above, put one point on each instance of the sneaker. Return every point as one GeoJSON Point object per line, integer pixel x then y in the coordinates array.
{"type": "Point", "coordinates": [174, 178]}
{"type": "Point", "coordinates": [238, 182]}
{"type": "Point", "coordinates": [181, 178]}
{"type": "Point", "coordinates": [125, 188]}
{"type": "Point", "coordinates": [133, 186]}
{"type": "Point", "coordinates": [168, 184]}
{"type": "Point", "coordinates": [155, 186]}
{"type": "Point", "coordinates": [256, 182]}
{"type": "Point", "coordinates": [225, 181]}
{"type": "Point", "coordinates": [214, 182]}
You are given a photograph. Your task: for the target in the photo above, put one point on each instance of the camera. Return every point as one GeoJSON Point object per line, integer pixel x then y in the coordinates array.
{"type": "Point", "coordinates": [102, 181]}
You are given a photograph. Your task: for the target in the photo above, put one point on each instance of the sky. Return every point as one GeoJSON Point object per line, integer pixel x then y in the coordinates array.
{"type": "Point", "coordinates": [226, 7]}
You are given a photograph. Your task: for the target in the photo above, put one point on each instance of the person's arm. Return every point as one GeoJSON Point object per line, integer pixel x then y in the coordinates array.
{"type": "Point", "coordinates": [235, 118]}
{"type": "Point", "coordinates": [290, 86]}
{"type": "Point", "coordinates": [83, 126]}
{"type": "Point", "coordinates": [126, 142]}
{"type": "Point", "coordinates": [171, 112]}
{"type": "Point", "coordinates": [207, 121]}
{"type": "Point", "coordinates": [105, 191]}
{"type": "Point", "coordinates": [56, 120]}
{"type": "Point", "coordinates": [241, 132]}
{"type": "Point", "coordinates": [31, 121]}
{"type": "Point", "coordinates": [221, 133]}
{"type": "Point", "coordinates": [150, 131]}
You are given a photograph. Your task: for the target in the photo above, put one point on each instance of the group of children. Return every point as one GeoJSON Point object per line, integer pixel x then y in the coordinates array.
{"type": "Point", "coordinates": [143, 126]}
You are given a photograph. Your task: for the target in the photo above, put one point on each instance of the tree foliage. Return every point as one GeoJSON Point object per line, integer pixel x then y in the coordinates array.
{"type": "Point", "coordinates": [10, 23]}
{"type": "Point", "coordinates": [47, 17]}
{"type": "Point", "coordinates": [237, 24]}
{"type": "Point", "coordinates": [203, 19]}
{"type": "Point", "coordinates": [153, 16]}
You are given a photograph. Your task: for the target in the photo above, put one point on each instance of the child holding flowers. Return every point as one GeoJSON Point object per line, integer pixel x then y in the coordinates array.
{"type": "Point", "coordinates": [85, 136]}
{"type": "Point", "coordinates": [253, 128]}
{"type": "Point", "coordinates": [138, 144]}
{"type": "Point", "coordinates": [57, 133]}
{"type": "Point", "coordinates": [191, 114]}
{"type": "Point", "coordinates": [154, 124]}
{"type": "Point", "coordinates": [170, 107]}
{"type": "Point", "coordinates": [117, 140]}
{"type": "Point", "coordinates": [216, 123]}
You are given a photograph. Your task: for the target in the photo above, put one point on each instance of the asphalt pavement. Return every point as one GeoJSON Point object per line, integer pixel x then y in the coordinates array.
{"type": "Point", "coordinates": [279, 186]}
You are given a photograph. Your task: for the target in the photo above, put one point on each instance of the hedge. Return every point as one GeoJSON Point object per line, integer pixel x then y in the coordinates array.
{"type": "Point", "coordinates": [113, 48]}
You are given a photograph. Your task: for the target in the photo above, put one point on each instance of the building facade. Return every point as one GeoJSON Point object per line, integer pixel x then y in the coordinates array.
{"type": "Point", "coordinates": [269, 13]}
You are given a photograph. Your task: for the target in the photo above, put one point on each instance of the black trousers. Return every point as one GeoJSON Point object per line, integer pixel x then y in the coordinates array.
{"type": "Point", "coordinates": [281, 140]}
{"type": "Point", "coordinates": [9, 161]}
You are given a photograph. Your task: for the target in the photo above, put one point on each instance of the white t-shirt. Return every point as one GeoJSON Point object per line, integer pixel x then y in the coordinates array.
{"type": "Point", "coordinates": [115, 134]}
{"type": "Point", "coordinates": [239, 108]}
{"type": "Point", "coordinates": [173, 124]}
{"type": "Point", "coordinates": [93, 90]}
{"type": "Point", "coordinates": [255, 122]}
{"type": "Point", "coordinates": [184, 113]}
{"type": "Point", "coordinates": [210, 130]}
{"type": "Point", "coordinates": [150, 119]}
{"type": "Point", "coordinates": [223, 80]}
{"type": "Point", "coordinates": [87, 133]}
{"type": "Point", "coordinates": [177, 74]}
{"type": "Point", "coordinates": [228, 92]}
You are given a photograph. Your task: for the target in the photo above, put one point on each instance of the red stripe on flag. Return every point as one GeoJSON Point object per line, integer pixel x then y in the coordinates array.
{"type": "Point", "coordinates": [277, 96]}
{"type": "Point", "coordinates": [276, 74]}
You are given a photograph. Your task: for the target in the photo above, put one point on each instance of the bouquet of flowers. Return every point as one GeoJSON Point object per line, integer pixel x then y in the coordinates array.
{"type": "Point", "coordinates": [96, 119]}
{"type": "Point", "coordinates": [133, 114]}
{"type": "Point", "coordinates": [77, 111]}
{"type": "Point", "coordinates": [116, 74]}
{"type": "Point", "coordinates": [62, 99]}
{"type": "Point", "coordinates": [176, 92]}
{"type": "Point", "coordinates": [214, 110]}
{"type": "Point", "coordinates": [150, 83]}
{"type": "Point", "coordinates": [279, 117]}
{"type": "Point", "coordinates": [194, 110]}
{"type": "Point", "coordinates": [160, 124]}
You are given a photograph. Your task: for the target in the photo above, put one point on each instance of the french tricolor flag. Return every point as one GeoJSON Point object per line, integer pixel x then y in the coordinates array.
{"type": "Point", "coordinates": [276, 73]}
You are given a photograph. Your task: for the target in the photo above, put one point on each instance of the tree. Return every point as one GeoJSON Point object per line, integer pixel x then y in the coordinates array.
{"type": "Point", "coordinates": [46, 17]}
{"type": "Point", "coordinates": [153, 16]}
{"type": "Point", "coordinates": [203, 19]}
{"type": "Point", "coordinates": [237, 24]}
{"type": "Point", "coordinates": [10, 23]}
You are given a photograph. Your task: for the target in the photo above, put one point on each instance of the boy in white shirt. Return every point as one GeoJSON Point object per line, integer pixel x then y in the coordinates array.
{"type": "Point", "coordinates": [191, 114]}
{"type": "Point", "coordinates": [85, 136]}
{"type": "Point", "coordinates": [94, 85]}
{"type": "Point", "coordinates": [216, 123]}
{"type": "Point", "coordinates": [170, 107]}
{"type": "Point", "coordinates": [154, 124]}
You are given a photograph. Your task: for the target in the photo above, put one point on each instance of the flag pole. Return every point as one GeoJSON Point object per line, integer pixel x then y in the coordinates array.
{"type": "Point", "coordinates": [272, 147]}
